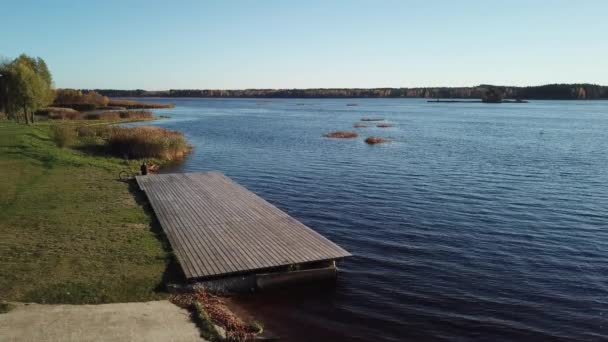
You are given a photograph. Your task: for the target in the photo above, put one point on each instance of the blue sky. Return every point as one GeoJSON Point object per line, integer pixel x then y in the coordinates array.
{"type": "Point", "coordinates": [300, 44]}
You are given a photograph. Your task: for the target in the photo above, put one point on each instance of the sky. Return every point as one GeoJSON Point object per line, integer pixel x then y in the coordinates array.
{"type": "Point", "coordinates": [225, 44]}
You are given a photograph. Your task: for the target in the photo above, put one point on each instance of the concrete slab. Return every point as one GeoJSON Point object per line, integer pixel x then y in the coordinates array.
{"type": "Point", "coordinates": [159, 321]}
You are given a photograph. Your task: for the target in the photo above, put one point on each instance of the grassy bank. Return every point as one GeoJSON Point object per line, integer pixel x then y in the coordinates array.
{"type": "Point", "coordinates": [69, 231]}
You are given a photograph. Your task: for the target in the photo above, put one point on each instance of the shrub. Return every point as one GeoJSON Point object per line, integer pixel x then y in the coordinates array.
{"type": "Point", "coordinates": [63, 135]}
{"type": "Point", "coordinates": [146, 142]}
{"type": "Point", "coordinates": [375, 140]}
{"type": "Point", "coordinates": [6, 307]}
{"type": "Point", "coordinates": [341, 134]}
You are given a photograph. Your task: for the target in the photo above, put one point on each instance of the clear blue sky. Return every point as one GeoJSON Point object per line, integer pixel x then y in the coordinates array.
{"type": "Point", "coordinates": [298, 44]}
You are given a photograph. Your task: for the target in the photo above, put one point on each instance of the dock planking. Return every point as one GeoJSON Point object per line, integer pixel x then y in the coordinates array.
{"type": "Point", "coordinates": [217, 227]}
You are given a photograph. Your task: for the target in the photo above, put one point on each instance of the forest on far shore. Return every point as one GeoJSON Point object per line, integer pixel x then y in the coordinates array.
{"type": "Point", "coordinates": [581, 91]}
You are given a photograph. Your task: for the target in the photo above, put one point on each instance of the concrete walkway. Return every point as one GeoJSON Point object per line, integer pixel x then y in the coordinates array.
{"type": "Point", "coordinates": [151, 322]}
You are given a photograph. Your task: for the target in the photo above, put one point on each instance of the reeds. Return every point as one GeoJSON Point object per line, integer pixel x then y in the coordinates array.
{"type": "Point", "coordinates": [146, 142]}
{"type": "Point", "coordinates": [63, 135]}
{"type": "Point", "coordinates": [131, 104]}
{"type": "Point", "coordinates": [123, 114]}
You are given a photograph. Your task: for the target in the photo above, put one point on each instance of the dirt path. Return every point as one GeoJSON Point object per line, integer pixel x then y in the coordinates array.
{"type": "Point", "coordinates": [158, 321]}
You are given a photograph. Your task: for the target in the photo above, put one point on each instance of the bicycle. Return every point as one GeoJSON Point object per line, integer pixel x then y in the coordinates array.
{"type": "Point", "coordinates": [127, 175]}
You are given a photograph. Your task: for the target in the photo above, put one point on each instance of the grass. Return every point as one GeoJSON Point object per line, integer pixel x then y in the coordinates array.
{"type": "Point", "coordinates": [69, 231]}
{"type": "Point", "coordinates": [341, 134]}
{"type": "Point", "coordinates": [205, 325]}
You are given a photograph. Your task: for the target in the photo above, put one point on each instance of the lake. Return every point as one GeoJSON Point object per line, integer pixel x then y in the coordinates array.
{"type": "Point", "coordinates": [477, 221]}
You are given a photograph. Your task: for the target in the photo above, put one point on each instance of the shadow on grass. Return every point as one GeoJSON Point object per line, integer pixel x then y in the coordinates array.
{"type": "Point", "coordinates": [173, 273]}
{"type": "Point", "coordinates": [37, 137]}
{"type": "Point", "coordinates": [95, 150]}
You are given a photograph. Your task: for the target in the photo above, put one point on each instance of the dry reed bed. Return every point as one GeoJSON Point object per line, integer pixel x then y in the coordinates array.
{"type": "Point", "coordinates": [123, 114]}
{"type": "Point", "coordinates": [131, 104]}
{"type": "Point", "coordinates": [139, 142]}
{"type": "Point", "coordinates": [341, 134]}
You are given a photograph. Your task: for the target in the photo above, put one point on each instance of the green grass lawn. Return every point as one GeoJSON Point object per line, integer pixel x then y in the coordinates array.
{"type": "Point", "coordinates": [70, 232]}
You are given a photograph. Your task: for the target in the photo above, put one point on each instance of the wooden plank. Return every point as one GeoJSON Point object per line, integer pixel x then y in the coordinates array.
{"type": "Point", "coordinates": [217, 227]}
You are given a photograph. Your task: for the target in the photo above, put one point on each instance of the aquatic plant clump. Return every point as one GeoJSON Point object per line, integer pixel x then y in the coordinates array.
{"type": "Point", "coordinates": [375, 140]}
{"type": "Point", "coordinates": [341, 134]}
{"type": "Point", "coordinates": [372, 119]}
{"type": "Point", "coordinates": [384, 125]}
{"type": "Point", "coordinates": [359, 125]}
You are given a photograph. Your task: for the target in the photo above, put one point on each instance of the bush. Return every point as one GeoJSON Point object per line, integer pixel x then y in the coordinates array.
{"type": "Point", "coordinates": [63, 135]}
{"type": "Point", "coordinates": [146, 142]}
{"type": "Point", "coordinates": [341, 134]}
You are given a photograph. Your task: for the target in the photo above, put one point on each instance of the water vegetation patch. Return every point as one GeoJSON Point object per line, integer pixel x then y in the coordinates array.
{"type": "Point", "coordinates": [375, 140]}
{"type": "Point", "coordinates": [385, 125]}
{"type": "Point", "coordinates": [341, 134]}
{"type": "Point", "coordinates": [372, 119]}
{"type": "Point", "coordinates": [359, 125]}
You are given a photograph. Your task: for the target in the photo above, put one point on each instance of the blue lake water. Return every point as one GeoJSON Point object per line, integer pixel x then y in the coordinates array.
{"type": "Point", "coordinates": [476, 221]}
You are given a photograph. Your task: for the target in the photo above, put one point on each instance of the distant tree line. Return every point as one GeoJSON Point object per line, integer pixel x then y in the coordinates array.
{"type": "Point", "coordinates": [548, 92]}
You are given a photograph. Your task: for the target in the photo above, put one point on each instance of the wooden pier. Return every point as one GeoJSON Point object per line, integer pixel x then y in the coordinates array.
{"type": "Point", "coordinates": [218, 228]}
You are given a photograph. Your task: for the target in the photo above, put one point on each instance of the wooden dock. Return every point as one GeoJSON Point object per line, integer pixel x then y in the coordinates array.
{"type": "Point", "coordinates": [218, 228]}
